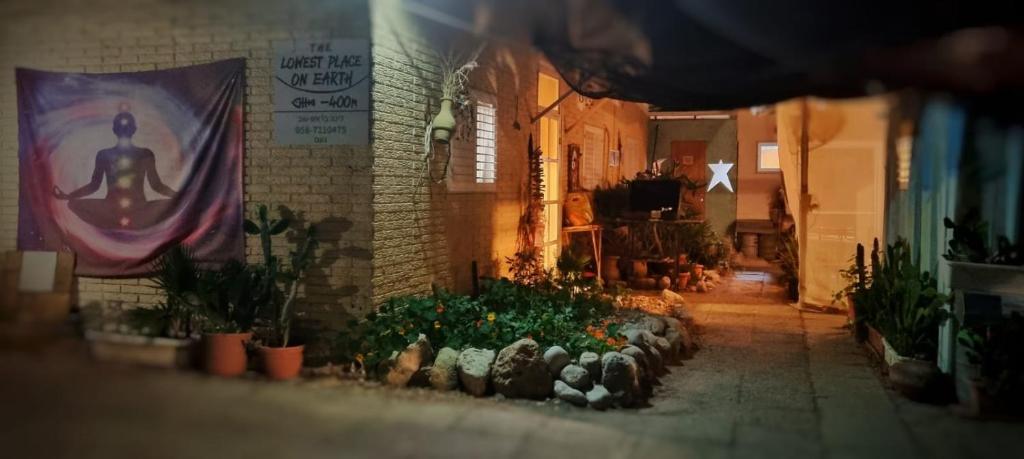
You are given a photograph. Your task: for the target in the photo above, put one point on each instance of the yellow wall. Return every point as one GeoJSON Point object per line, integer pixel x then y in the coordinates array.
{"type": "Point", "coordinates": [755, 191]}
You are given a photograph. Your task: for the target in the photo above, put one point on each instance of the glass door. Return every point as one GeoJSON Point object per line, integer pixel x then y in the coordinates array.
{"type": "Point", "coordinates": [550, 144]}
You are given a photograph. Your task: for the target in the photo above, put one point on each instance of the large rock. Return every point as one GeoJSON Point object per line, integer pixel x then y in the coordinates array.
{"type": "Point", "coordinates": [591, 362]}
{"type": "Point", "coordinates": [672, 323]}
{"type": "Point", "coordinates": [444, 374]}
{"type": "Point", "coordinates": [653, 324]}
{"type": "Point", "coordinates": [599, 398]}
{"type": "Point", "coordinates": [675, 344]}
{"type": "Point", "coordinates": [662, 345]}
{"type": "Point", "coordinates": [556, 358]}
{"type": "Point", "coordinates": [421, 378]}
{"type": "Point", "coordinates": [646, 373]}
{"type": "Point", "coordinates": [576, 377]}
{"type": "Point", "coordinates": [474, 367]}
{"type": "Point", "coordinates": [620, 376]}
{"type": "Point", "coordinates": [672, 297]}
{"type": "Point", "coordinates": [521, 372]}
{"type": "Point", "coordinates": [685, 316]}
{"type": "Point", "coordinates": [686, 345]}
{"type": "Point", "coordinates": [408, 362]}
{"type": "Point", "coordinates": [639, 337]}
{"type": "Point", "coordinates": [564, 392]}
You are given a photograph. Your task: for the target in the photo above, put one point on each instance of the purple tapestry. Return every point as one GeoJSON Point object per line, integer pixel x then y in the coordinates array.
{"type": "Point", "coordinates": [118, 167]}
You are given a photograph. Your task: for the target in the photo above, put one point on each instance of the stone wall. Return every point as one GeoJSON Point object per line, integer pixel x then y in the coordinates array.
{"type": "Point", "coordinates": [321, 184]}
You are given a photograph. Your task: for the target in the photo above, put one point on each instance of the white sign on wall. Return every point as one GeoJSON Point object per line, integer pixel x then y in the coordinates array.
{"type": "Point", "coordinates": [322, 92]}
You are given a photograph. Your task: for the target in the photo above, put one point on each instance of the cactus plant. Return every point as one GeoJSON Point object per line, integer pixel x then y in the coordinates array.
{"type": "Point", "coordinates": [274, 275]}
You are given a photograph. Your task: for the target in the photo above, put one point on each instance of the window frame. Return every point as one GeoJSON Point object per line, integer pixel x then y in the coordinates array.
{"type": "Point", "coordinates": [760, 152]}
{"type": "Point", "coordinates": [468, 150]}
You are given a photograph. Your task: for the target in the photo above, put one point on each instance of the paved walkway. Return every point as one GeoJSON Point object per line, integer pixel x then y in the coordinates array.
{"type": "Point", "coordinates": [769, 382]}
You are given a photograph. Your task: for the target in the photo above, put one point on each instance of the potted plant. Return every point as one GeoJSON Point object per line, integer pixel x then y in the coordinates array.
{"type": "Point", "coordinates": [162, 335]}
{"type": "Point", "coordinates": [241, 292]}
{"type": "Point", "coordinates": [789, 257]}
{"type": "Point", "coordinates": [282, 359]}
{"type": "Point", "coordinates": [455, 77]}
{"type": "Point", "coordinates": [857, 280]}
{"type": "Point", "coordinates": [995, 353]}
{"type": "Point", "coordinates": [988, 272]}
{"type": "Point", "coordinates": [911, 331]}
{"type": "Point", "coordinates": [903, 303]}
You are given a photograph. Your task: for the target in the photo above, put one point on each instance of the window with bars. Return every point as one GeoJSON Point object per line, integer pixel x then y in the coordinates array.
{"type": "Point", "coordinates": [474, 147]}
{"type": "Point", "coordinates": [486, 155]}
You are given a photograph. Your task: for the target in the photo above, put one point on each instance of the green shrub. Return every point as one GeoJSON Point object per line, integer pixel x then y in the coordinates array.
{"type": "Point", "coordinates": [998, 350]}
{"type": "Point", "coordinates": [900, 300]}
{"type": "Point", "coordinates": [551, 313]}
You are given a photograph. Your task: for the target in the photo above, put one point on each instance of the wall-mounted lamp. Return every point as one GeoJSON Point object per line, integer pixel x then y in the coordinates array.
{"type": "Point", "coordinates": [444, 122]}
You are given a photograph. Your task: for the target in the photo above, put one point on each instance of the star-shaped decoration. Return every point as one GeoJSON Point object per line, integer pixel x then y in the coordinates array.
{"type": "Point", "coordinates": [721, 175]}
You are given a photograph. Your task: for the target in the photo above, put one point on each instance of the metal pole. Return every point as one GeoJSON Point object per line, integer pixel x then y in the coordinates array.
{"type": "Point", "coordinates": [805, 199]}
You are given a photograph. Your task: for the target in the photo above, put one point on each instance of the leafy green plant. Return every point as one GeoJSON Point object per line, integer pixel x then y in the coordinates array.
{"type": "Point", "coordinates": [187, 289]}
{"type": "Point", "coordinates": [901, 301]}
{"type": "Point", "coordinates": [856, 277]}
{"type": "Point", "coordinates": [789, 261]}
{"type": "Point", "coordinates": [549, 312]}
{"type": "Point", "coordinates": [970, 243]}
{"type": "Point", "coordinates": [998, 351]}
{"type": "Point", "coordinates": [572, 264]}
{"type": "Point", "coordinates": [276, 285]}
{"type": "Point", "coordinates": [969, 239]}
{"type": "Point", "coordinates": [242, 295]}
{"type": "Point", "coordinates": [300, 259]}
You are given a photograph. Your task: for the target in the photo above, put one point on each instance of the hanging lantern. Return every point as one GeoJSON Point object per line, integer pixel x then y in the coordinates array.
{"type": "Point", "coordinates": [444, 122]}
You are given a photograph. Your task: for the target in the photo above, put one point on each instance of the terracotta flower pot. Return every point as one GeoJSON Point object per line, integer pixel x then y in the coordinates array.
{"type": "Point", "coordinates": [639, 268]}
{"type": "Point", "coordinates": [610, 266]}
{"type": "Point", "coordinates": [683, 281]}
{"type": "Point", "coordinates": [282, 363]}
{"type": "Point", "coordinates": [913, 378]}
{"type": "Point", "coordinates": [224, 353]}
{"type": "Point", "coordinates": [698, 271]}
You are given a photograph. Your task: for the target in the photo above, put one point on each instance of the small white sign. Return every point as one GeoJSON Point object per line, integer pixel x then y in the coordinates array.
{"type": "Point", "coordinates": [322, 92]}
{"type": "Point", "coordinates": [38, 272]}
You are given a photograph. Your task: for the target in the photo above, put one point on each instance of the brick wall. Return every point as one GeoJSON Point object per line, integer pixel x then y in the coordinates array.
{"type": "Point", "coordinates": [331, 184]}
{"type": "Point", "coordinates": [423, 232]}
{"type": "Point", "coordinates": [393, 231]}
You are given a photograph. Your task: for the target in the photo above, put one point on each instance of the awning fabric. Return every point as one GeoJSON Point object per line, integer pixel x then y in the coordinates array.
{"type": "Point", "coordinates": [699, 54]}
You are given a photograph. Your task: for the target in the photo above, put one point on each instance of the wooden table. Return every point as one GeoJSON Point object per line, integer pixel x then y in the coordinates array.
{"type": "Point", "coordinates": [595, 240]}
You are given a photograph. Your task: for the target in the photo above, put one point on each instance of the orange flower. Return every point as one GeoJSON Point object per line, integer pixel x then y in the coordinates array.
{"type": "Point", "coordinates": [611, 341]}
{"type": "Point", "coordinates": [491, 316]}
{"type": "Point", "coordinates": [401, 331]}
{"type": "Point", "coordinates": [440, 308]}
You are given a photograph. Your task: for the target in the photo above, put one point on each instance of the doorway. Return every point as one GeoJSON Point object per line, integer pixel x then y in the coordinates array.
{"type": "Point", "coordinates": [550, 143]}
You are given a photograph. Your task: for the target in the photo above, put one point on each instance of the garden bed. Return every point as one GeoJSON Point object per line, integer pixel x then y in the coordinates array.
{"type": "Point", "coordinates": [554, 340]}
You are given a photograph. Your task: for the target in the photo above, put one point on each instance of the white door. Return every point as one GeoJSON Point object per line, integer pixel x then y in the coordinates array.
{"type": "Point", "coordinates": [550, 144]}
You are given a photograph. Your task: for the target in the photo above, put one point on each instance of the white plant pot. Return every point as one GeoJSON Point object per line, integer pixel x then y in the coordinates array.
{"type": "Point", "coordinates": [141, 350]}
